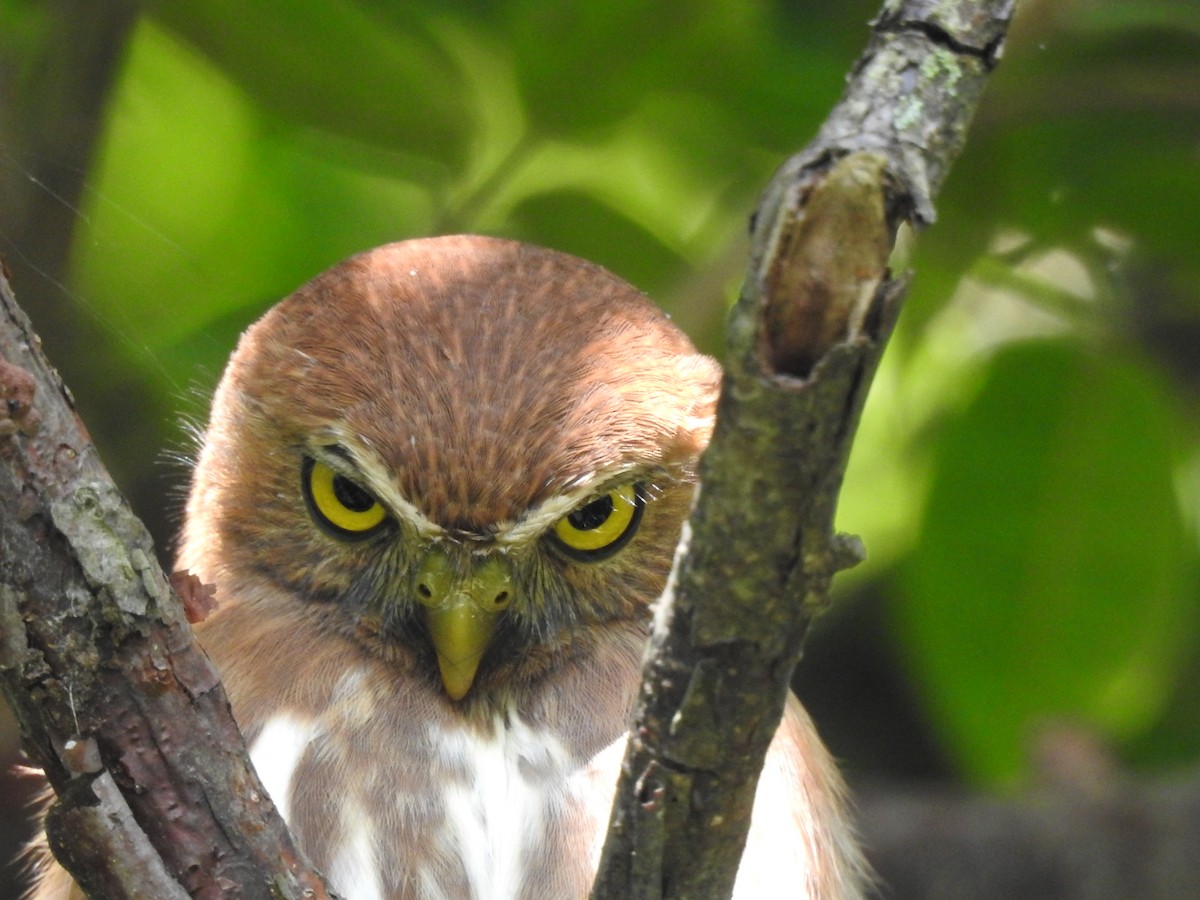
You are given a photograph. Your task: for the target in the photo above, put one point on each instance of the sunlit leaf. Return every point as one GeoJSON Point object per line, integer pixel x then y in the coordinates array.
{"type": "Point", "coordinates": [336, 66]}
{"type": "Point", "coordinates": [1050, 579]}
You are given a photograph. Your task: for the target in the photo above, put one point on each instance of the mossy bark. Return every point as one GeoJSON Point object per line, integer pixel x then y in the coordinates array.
{"type": "Point", "coordinates": [805, 338]}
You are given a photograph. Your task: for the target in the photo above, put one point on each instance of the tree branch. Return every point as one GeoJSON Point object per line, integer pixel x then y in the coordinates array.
{"type": "Point", "coordinates": [126, 715]}
{"type": "Point", "coordinates": [805, 338]}
{"type": "Point", "coordinates": [115, 700]}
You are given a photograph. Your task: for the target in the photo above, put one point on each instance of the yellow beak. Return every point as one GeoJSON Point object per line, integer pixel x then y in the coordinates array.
{"type": "Point", "coordinates": [462, 604]}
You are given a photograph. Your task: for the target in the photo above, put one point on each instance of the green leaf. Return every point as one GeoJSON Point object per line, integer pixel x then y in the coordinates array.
{"type": "Point", "coordinates": [1051, 581]}
{"type": "Point", "coordinates": [337, 67]}
{"type": "Point", "coordinates": [202, 205]}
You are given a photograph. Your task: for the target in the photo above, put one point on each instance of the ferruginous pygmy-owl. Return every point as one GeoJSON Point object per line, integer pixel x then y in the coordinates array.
{"type": "Point", "coordinates": [440, 492]}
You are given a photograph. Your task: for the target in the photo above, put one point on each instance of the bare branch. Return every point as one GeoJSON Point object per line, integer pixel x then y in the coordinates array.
{"type": "Point", "coordinates": [115, 699]}
{"type": "Point", "coordinates": [805, 338]}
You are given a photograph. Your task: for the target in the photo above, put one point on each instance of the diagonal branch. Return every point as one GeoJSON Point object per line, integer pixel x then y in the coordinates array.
{"type": "Point", "coordinates": [115, 700]}
{"type": "Point", "coordinates": [805, 338]}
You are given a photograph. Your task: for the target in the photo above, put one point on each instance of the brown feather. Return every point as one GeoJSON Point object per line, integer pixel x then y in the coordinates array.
{"type": "Point", "coordinates": [471, 384]}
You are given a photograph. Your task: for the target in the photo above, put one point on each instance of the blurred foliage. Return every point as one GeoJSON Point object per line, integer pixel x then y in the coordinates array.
{"type": "Point", "coordinates": [1027, 477]}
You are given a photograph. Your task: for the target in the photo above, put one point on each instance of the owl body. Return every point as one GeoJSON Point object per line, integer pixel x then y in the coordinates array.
{"type": "Point", "coordinates": [440, 491]}
{"type": "Point", "coordinates": [393, 791]}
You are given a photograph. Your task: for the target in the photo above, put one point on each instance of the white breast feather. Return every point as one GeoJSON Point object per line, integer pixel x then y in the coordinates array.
{"type": "Point", "coordinates": [276, 752]}
{"type": "Point", "coordinates": [497, 816]}
{"type": "Point", "coordinates": [355, 869]}
{"type": "Point", "coordinates": [597, 784]}
{"type": "Point", "coordinates": [773, 855]}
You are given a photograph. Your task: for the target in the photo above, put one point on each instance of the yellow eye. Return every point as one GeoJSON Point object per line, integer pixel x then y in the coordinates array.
{"type": "Point", "coordinates": [338, 504]}
{"type": "Point", "coordinates": [602, 526]}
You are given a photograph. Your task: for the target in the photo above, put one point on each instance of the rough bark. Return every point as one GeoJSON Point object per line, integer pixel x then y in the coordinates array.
{"type": "Point", "coordinates": [116, 701]}
{"type": "Point", "coordinates": [805, 338]}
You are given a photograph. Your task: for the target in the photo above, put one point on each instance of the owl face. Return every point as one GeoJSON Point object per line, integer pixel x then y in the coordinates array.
{"type": "Point", "coordinates": [469, 455]}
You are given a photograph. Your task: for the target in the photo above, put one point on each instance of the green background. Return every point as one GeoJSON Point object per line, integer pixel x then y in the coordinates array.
{"type": "Point", "coordinates": [1027, 476]}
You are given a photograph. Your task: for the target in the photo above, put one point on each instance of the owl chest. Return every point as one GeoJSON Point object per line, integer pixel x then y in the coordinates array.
{"type": "Point", "coordinates": [453, 813]}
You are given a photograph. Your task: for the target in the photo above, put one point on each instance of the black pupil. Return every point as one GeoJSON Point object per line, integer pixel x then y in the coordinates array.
{"type": "Point", "coordinates": [593, 515]}
{"type": "Point", "coordinates": [350, 495]}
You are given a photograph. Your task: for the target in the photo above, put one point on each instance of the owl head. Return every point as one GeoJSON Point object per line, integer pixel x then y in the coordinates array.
{"type": "Point", "coordinates": [465, 454]}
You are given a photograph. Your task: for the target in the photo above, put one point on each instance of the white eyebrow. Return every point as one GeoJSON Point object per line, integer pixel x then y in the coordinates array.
{"type": "Point", "coordinates": [539, 519]}
{"type": "Point", "coordinates": [338, 450]}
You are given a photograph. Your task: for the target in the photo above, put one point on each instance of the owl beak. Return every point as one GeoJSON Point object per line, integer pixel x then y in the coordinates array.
{"type": "Point", "coordinates": [462, 604]}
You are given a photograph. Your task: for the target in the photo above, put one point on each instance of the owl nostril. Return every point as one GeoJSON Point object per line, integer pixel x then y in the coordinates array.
{"type": "Point", "coordinates": [501, 601]}
{"type": "Point", "coordinates": [424, 591]}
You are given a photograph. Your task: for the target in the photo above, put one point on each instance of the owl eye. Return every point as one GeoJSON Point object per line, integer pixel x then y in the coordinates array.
{"type": "Point", "coordinates": [337, 504]}
{"type": "Point", "coordinates": [602, 526]}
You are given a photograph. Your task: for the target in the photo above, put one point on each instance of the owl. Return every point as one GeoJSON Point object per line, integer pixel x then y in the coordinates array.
{"type": "Point", "coordinates": [439, 494]}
